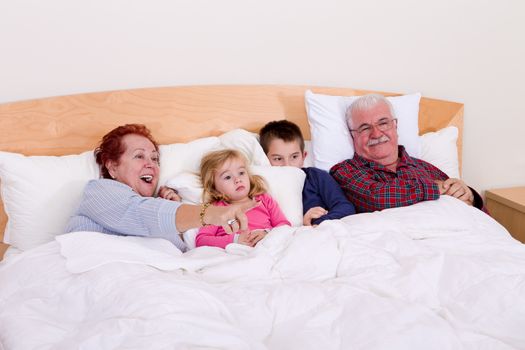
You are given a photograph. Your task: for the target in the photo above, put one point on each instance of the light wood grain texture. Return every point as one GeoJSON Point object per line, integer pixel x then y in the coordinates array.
{"type": "Point", "coordinates": [73, 124]}
{"type": "Point", "coordinates": [507, 206]}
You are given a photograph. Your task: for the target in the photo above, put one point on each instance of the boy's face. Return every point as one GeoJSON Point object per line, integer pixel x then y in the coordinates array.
{"type": "Point", "coordinates": [281, 153]}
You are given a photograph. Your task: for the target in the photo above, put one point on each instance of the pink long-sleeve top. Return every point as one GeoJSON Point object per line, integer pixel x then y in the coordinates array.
{"type": "Point", "coordinates": [266, 215]}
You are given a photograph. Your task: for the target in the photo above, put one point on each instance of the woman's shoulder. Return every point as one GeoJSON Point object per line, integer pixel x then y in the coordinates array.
{"type": "Point", "coordinates": [97, 185]}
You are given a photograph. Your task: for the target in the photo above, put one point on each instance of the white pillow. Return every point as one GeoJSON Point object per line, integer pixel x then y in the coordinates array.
{"type": "Point", "coordinates": [285, 185]}
{"type": "Point", "coordinates": [190, 189]}
{"type": "Point", "coordinates": [246, 142]}
{"type": "Point", "coordinates": [440, 149]}
{"type": "Point", "coordinates": [309, 160]}
{"type": "Point", "coordinates": [186, 157]}
{"type": "Point", "coordinates": [177, 158]}
{"type": "Point", "coordinates": [331, 140]}
{"type": "Point", "coordinates": [40, 193]}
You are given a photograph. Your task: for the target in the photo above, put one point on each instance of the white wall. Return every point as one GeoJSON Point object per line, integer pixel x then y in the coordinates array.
{"type": "Point", "coordinates": [465, 50]}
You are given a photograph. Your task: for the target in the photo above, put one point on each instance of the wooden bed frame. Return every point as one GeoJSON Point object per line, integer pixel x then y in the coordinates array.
{"type": "Point", "coordinates": [73, 124]}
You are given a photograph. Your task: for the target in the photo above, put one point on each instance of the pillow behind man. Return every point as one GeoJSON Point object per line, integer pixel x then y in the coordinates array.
{"type": "Point", "coordinates": [331, 140]}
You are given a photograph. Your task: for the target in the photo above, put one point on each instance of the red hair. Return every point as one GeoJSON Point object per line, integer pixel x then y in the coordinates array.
{"type": "Point", "coordinates": [111, 146]}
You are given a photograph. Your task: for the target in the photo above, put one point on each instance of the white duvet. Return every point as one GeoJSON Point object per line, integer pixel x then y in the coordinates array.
{"type": "Point", "coordinates": [436, 275]}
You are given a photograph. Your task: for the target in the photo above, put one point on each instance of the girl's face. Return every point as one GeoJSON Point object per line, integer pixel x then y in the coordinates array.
{"type": "Point", "coordinates": [232, 180]}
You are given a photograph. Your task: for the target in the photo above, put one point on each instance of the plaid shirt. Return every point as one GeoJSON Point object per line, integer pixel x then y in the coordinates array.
{"type": "Point", "coordinates": [371, 186]}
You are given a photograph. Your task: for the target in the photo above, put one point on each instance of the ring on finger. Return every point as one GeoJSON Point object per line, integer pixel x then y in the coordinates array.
{"type": "Point", "coordinates": [231, 221]}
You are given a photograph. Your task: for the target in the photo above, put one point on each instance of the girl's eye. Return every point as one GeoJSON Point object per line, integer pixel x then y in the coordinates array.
{"type": "Point", "coordinates": [227, 177]}
{"type": "Point", "coordinates": [242, 172]}
{"type": "Point", "coordinates": [277, 159]}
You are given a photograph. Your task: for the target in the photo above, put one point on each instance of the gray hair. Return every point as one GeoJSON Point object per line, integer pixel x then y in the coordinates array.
{"type": "Point", "coordinates": [365, 103]}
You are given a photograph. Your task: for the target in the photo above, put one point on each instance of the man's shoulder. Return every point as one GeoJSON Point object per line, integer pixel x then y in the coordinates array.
{"type": "Point", "coordinates": [344, 165]}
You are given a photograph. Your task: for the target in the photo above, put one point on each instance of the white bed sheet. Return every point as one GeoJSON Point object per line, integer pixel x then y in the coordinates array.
{"type": "Point", "coordinates": [436, 275]}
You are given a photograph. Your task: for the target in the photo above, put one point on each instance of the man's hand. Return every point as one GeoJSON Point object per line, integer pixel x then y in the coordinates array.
{"type": "Point", "coordinates": [456, 188]}
{"type": "Point", "coordinates": [313, 213]}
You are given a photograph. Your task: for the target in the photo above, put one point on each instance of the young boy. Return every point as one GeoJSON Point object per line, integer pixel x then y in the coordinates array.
{"type": "Point", "coordinates": [323, 199]}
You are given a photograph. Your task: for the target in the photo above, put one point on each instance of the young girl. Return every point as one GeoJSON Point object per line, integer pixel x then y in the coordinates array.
{"type": "Point", "coordinates": [226, 180]}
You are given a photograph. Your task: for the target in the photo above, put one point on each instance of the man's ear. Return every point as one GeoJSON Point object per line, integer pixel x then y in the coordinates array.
{"type": "Point", "coordinates": [353, 140]}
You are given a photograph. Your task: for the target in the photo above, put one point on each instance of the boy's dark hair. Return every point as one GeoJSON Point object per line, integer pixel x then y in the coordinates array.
{"type": "Point", "coordinates": [280, 129]}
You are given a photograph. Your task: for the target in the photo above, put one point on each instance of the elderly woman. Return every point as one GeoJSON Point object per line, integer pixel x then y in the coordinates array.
{"type": "Point", "coordinates": [122, 202]}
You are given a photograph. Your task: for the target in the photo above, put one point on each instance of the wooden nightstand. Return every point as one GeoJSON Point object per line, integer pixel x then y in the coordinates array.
{"type": "Point", "coordinates": [507, 206]}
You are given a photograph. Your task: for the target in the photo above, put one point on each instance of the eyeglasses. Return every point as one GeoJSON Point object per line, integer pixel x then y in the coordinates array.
{"type": "Point", "coordinates": [383, 125]}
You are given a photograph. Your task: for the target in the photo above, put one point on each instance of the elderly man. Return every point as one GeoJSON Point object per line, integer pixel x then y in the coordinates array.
{"type": "Point", "coordinates": [381, 174]}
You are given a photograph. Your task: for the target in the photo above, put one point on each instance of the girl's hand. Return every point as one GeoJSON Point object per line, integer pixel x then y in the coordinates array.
{"type": "Point", "coordinates": [313, 213]}
{"type": "Point", "coordinates": [257, 235]}
{"type": "Point", "coordinates": [251, 238]}
{"type": "Point", "coordinates": [245, 238]}
{"type": "Point", "coordinates": [169, 194]}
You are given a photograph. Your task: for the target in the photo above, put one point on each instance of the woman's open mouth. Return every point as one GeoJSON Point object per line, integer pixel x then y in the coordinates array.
{"type": "Point", "coordinates": [146, 178]}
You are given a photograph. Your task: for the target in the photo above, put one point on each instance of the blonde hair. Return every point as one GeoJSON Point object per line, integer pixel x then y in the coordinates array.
{"type": "Point", "coordinates": [211, 162]}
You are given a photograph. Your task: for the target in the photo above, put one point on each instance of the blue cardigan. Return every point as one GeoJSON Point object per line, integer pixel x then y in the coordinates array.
{"type": "Point", "coordinates": [321, 190]}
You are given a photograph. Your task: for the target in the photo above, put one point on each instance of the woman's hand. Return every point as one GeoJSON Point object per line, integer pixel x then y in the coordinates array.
{"type": "Point", "coordinates": [232, 218]}
{"type": "Point", "coordinates": [169, 194]}
{"type": "Point", "coordinates": [313, 213]}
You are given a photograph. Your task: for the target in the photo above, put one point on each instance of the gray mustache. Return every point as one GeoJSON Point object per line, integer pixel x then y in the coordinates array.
{"type": "Point", "coordinates": [381, 139]}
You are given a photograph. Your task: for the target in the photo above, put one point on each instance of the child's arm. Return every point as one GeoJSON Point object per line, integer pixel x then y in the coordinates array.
{"type": "Point", "coordinates": [332, 195]}
{"type": "Point", "coordinates": [277, 217]}
{"type": "Point", "coordinates": [312, 214]}
{"type": "Point", "coordinates": [213, 236]}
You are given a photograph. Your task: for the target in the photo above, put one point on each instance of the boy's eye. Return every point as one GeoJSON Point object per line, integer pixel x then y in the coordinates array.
{"type": "Point", "coordinates": [295, 156]}
{"type": "Point", "coordinates": [277, 158]}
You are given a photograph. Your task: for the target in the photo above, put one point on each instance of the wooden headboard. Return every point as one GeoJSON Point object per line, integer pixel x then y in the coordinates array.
{"type": "Point", "coordinates": [73, 124]}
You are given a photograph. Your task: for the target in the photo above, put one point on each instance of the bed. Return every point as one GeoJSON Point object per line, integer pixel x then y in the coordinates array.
{"type": "Point", "coordinates": [435, 275]}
